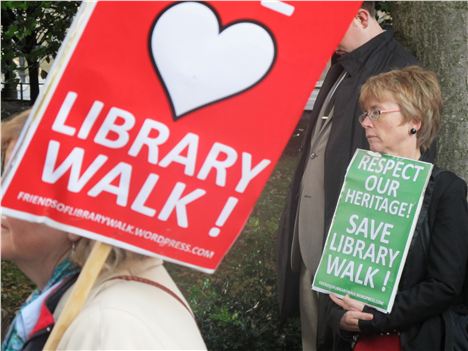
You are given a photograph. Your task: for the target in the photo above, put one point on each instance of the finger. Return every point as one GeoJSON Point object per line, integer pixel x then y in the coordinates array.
{"type": "Point", "coordinates": [362, 315]}
{"type": "Point", "coordinates": [353, 304]}
{"type": "Point", "coordinates": [337, 300]}
{"type": "Point", "coordinates": [366, 316]}
{"type": "Point", "coordinates": [348, 322]}
{"type": "Point", "coordinates": [349, 300]}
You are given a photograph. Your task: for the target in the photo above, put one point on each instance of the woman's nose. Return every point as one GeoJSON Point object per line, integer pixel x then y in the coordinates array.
{"type": "Point", "coordinates": [366, 122]}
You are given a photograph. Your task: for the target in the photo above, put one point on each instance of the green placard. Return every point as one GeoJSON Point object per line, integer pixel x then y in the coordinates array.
{"type": "Point", "coordinates": [372, 227]}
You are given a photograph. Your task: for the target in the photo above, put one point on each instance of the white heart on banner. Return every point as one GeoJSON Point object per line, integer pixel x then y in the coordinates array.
{"type": "Point", "coordinates": [200, 62]}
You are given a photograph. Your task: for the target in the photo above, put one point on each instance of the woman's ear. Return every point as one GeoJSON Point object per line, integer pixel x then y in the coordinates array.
{"type": "Point", "coordinates": [416, 124]}
{"type": "Point", "coordinates": [363, 18]}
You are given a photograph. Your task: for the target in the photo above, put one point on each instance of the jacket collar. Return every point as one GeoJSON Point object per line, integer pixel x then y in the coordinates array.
{"type": "Point", "coordinates": [354, 61]}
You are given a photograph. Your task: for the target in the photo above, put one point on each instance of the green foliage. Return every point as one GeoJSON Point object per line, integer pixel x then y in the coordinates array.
{"type": "Point", "coordinates": [236, 308]}
{"type": "Point", "coordinates": [15, 289]}
{"type": "Point", "coordinates": [384, 9]}
{"type": "Point", "coordinates": [33, 30]}
{"type": "Point", "coordinates": [385, 6]}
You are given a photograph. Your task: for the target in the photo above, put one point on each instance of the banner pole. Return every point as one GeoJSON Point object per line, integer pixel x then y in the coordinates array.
{"type": "Point", "coordinates": [80, 292]}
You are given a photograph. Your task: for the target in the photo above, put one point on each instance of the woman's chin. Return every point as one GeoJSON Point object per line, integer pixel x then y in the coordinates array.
{"type": "Point", "coordinates": [375, 149]}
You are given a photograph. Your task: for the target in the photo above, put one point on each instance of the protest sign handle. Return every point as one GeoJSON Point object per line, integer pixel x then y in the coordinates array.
{"type": "Point", "coordinates": [78, 296]}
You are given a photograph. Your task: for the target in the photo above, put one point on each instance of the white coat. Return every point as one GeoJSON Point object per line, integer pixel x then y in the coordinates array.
{"type": "Point", "coordinates": [130, 315]}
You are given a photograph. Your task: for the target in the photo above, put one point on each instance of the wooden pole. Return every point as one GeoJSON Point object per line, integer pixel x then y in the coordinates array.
{"type": "Point", "coordinates": [78, 296]}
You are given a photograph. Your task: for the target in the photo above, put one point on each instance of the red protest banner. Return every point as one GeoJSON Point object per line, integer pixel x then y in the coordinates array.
{"type": "Point", "coordinates": [162, 121]}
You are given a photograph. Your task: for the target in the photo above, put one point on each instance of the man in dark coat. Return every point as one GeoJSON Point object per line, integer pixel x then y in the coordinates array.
{"type": "Point", "coordinates": [332, 136]}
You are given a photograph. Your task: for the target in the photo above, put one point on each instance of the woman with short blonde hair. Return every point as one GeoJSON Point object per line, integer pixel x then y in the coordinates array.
{"type": "Point", "coordinates": [419, 98]}
{"type": "Point", "coordinates": [430, 312]}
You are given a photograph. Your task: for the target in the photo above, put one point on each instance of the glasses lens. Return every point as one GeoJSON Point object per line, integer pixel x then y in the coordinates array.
{"type": "Point", "coordinates": [374, 115]}
{"type": "Point", "coordinates": [362, 117]}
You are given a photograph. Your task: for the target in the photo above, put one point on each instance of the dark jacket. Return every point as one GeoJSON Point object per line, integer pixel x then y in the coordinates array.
{"type": "Point", "coordinates": [381, 54]}
{"type": "Point", "coordinates": [432, 298]}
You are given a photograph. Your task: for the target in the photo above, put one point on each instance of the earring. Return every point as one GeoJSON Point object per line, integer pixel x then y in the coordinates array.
{"type": "Point", "coordinates": [73, 248]}
{"type": "Point", "coordinates": [412, 131]}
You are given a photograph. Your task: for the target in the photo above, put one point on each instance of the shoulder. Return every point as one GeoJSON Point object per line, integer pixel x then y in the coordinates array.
{"type": "Point", "coordinates": [391, 53]}
{"type": "Point", "coordinates": [134, 315]}
{"type": "Point", "coordinates": [447, 181]}
{"type": "Point", "coordinates": [449, 195]}
{"type": "Point", "coordinates": [399, 56]}
{"type": "Point", "coordinates": [109, 328]}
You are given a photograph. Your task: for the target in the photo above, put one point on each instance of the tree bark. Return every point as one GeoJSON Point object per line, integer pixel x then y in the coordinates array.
{"type": "Point", "coordinates": [437, 33]}
{"type": "Point", "coordinates": [8, 66]}
{"type": "Point", "coordinates": [9, 90]}
{"type": "Point", "coordinates": [33, 71]}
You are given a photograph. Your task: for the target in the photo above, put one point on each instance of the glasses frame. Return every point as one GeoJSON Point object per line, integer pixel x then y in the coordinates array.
{"type": "Point", "coordinates": [374, 115]}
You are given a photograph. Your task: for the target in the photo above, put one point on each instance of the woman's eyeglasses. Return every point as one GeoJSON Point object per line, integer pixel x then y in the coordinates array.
{"type": "Point", "coordinates": [374, 115]}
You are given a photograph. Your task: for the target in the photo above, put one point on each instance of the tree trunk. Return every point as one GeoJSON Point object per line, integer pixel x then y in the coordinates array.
{"type": "Point", "coordinates": [33, 71]}
{"type": "Point", "coordinates": [437, 33]}
{"type": "Point", "coordinates": [9, 90]}
{"type": "Point", "coordinates": [8, 66]}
